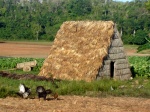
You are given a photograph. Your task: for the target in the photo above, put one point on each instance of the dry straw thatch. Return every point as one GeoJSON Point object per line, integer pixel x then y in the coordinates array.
{"type": "Point", "coordinates": [78, 50]}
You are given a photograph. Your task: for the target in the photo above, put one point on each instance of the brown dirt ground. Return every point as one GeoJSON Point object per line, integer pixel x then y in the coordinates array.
{"type": "Point", "coordinates": [65, 103]}
{"type": "Point", "coordinates": [36, 50]}
{"type": "Point", "coordinates": [76, 104]}
{"type": "Point", "coordinates": [15, 49]}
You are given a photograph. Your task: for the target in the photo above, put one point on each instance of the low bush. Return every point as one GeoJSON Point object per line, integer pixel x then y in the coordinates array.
{"type": "Point", "coordinates": [141, 65]}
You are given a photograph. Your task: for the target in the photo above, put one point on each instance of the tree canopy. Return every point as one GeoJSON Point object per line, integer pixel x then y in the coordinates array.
{"type": "Point", "coordinates": [41, 19]}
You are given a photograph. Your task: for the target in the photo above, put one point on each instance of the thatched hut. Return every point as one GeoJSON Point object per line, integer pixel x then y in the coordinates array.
{"type": "Point", "coordinates": [87, 50]}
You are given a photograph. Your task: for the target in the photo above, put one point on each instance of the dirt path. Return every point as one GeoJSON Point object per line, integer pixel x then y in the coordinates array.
{"type": "Point", "coordinates": [76, 104]}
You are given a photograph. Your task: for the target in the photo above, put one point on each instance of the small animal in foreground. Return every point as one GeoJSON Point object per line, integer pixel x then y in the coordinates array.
{"type": "Point", "coordinates": [55, 95]}
{"type": "Point", "coordinates": [24, 91]}
{"type": "Point", "coordinates": [42, 92]}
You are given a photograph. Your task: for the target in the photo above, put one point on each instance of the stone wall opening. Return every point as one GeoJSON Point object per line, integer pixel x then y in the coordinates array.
{"type": "Point", "coordinates": [112, 67]}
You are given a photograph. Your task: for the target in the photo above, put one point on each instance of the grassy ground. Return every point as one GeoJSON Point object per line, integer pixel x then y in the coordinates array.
{"type": "Point", "coordinates": [138, 87]}
{"type": "Point", "coordinates": [145, 51]}
{"type": "Point", "coordinates": [131, 46]}
{"type": "Point", "coordinates": [134, 49]}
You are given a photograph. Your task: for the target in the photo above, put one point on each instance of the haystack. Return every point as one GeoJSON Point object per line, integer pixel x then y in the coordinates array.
{"type": "Point", "coordinates": [81, 50]}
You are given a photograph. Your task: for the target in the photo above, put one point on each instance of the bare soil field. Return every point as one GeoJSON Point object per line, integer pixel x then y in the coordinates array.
{"type": "Point", "coordinates": [39, 50]}
{"type": "Point", "coordinates": [76, 104]}
{"type": "Point", "coordinates": [24, 49]}
{"type": "Point", "coordinates": [65, 103]}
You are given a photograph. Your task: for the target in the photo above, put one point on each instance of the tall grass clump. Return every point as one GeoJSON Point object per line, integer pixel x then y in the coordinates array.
{"type": "Point", "coordinates": [5, 92]}
{"type": "Point", "coordinates": [87, 88]}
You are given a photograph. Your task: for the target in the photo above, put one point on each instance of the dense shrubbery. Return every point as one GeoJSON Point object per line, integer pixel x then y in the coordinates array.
{"type": "Point", "coordinates": [139, 38]}
{"type": "Point", "coordinates": [141, 65]}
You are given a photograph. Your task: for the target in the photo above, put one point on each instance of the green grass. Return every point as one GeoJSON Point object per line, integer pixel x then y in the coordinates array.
{"type": "Point", "coordinates": [145, 51]}
{"type": "Point", "coordinates": [135, 47]}
{"type": "Point", "coordinates": [9, 87]}
{"type": "Point", "coordinates": [131, 46]}
{"type": "Point", "coordinates": [138, 87]}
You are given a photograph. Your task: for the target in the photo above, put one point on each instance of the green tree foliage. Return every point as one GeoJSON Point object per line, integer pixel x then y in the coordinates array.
{"type": "Point", "coordinates": [79, 7]}
{"type": "Point", "coordinates": [148, 5]}
{"type": "Point", "coordinates": [146, 45]}
{"type": "Point", "coordinates": [140, 37]}
{"type": "Point", "coordinates": [41, 20]}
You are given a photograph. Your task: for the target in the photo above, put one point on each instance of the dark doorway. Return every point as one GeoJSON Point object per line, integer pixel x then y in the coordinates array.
{"type": "Point", "coordinates": [112, 69]}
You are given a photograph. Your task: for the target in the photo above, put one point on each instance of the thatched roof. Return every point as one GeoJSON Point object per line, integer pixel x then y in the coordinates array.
{"type": "Point", "coordinates": [78, 50]}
